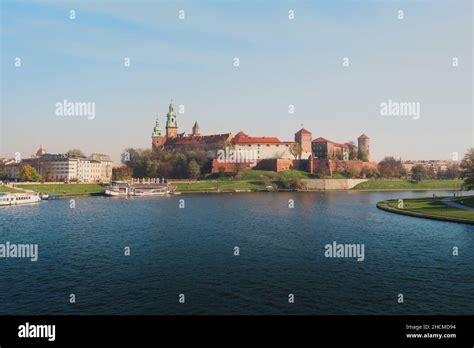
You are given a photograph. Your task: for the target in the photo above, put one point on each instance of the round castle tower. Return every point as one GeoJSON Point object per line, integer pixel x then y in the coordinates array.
{"type": "Point", "coordinates": [363, 143]}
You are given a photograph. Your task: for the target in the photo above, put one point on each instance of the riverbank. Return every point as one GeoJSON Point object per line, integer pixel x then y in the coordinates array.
{"type": "Point", "coordinates": [432, 208]}
{"type": "Point", "coordinates": [8, 189]}
{"type": "Point", "coordinates": [408, 185]}
{"type": "Point", "coordinates": [64, 189]}
{"type": "Point", "coordinates": [252, 181]}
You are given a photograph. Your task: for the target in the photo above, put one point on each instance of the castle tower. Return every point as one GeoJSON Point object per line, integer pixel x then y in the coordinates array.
{"type": "Point", "coordinates": [171, 124]}
{"type": "Point", "coordinates": [157, 129]}
{"type": "Point", "coordinates": [363, 148]}
{"type": "Point", "coordinates": [157, 138]}
{"type": "Point", "coordinates": [196, 129]}
{"type": "Point", "coordinates": [304, 138]}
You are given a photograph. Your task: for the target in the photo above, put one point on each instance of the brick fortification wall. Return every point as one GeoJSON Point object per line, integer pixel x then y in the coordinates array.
{"type": "Point", "coordinates": [227, 167]}
{"type": "Point", "coordinates": [279, 165]}
{"type": "Point", "coordinates": [331, 166]}
{"type": "Point", "coordinates": [313, 166]}
{"type": "Point", "coordinates": [276, 165]}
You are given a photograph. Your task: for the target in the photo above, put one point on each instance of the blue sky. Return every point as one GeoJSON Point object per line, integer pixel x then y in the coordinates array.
{"type": "Point", "coordinates": [282, 62]}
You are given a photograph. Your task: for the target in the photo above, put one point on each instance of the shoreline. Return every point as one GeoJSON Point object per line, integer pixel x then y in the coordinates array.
{"type": "Point", "coordinates": [102, 194]}
{"type": "Point", "coordinates": [63, 190]}
{"type": "Point", "coordinates": [384, 205]}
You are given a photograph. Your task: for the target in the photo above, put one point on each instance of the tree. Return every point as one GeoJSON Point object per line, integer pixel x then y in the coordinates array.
{"type": "Point", "coordinates": [193, 169]}
{"type": "Point", "coordinates": [295, 150]}
{"type": "Point", "coordinates": [46, 171]}
{"type": "Point", "coordinates": [165, 163]}
{"type": "Point", "coordinates": [122, 173]}
{"type": "Point", "coordinates": [339, 155]}
{"type": "Point", "coordinates": [418, 172]}
{"type": "Point", "coordinates": [352, 150]}
{"type": "Point", "coordinates": [28, 173]}
{"type": "Point", "coordinates": [239, 170]}
{"type": "Point", "coordinates": [390, 167]}
{"type": "Point", "coordinates": [75, 153]}
{"type": "Point", "coordinates": [369, 173]}
{"type": "Point", "coordinates": [180, 164]}
{"type": "Point", "coordinates": [452, 171]}
{"type": "Point", "coordinates": [431, 173]}
{"type": "Point", "coordinates": [321, 172]}
{"type": "Point", "coordinates": [292, 183]}
{"type": "Point", "coordinates": [351, 172]}
{"type": "Point", "coordinates": [467, 170]}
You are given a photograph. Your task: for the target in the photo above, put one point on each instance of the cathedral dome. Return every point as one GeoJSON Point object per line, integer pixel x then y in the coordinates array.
{"type": "Point", "coordinates": [41, 151]}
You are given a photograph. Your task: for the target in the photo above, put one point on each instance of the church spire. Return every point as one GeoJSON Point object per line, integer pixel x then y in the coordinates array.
{"type": "Point", "coordinates": [196, 129]}
{"type": "Point", "coordinates": [171, 123]}
{"type": "Point", "coordinates": [157, 129]}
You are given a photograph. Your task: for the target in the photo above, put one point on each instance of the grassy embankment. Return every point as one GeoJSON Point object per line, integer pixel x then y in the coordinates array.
{"type": "Point", "coordinates": [64, 189]}
{"type": "Point", "coordinates": [249, 180]}
{"type": "Point", "coordinates": [408, 185]}
{"type": "Point", "coordinates": [8, 189]}
{"type": "Point", "coordinates": [431, 208]}
{"type": "Point", "coordinates": [466, 200]}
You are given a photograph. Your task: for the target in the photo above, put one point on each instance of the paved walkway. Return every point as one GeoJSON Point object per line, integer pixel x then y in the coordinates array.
{"type": "Point", "coordinates": [448, 201]}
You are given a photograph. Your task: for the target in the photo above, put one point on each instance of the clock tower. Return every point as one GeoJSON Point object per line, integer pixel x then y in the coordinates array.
{"type": "Point", "coordinates": [171, 124]}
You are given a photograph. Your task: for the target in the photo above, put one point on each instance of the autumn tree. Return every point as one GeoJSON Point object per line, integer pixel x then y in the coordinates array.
{"type": "Point", "coordinates": [28, 173]}
{"type": "Point", "coordinates": [295, 150]}
{"type": "Point", "coordinates": [419, 172]}
{"type": "Point", "coordinates": [75, 153]}
{"type": "Point", "coordinates": [193, 169]}
{"type": "Point", "coordinates": [467, 170]}
{"type": "Point", "coordinates": [390, 167]}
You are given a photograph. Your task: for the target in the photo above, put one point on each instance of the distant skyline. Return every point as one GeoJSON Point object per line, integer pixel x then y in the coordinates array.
{"type": "Point", "coordinates": [282, 62]}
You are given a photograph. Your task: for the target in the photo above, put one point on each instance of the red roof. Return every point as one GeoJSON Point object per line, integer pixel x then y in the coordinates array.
{"type": "Point", "coordinates": [241, 134]}
{"type": "Point", "coordinates": [303, 131]}
{"type": "Point", "coordinates": [198, 139]}
{"type": "Point", "coordinates": [323, 140]}
{"type": "Point", "coordinates": [256, 140]}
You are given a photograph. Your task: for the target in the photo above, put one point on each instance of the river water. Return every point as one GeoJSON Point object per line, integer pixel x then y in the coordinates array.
{"type": "Point", "coordinates": [191, 251]}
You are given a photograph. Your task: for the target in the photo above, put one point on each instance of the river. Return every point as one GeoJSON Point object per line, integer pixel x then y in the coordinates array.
{"type": "Point", "coordinates": [191, 251]}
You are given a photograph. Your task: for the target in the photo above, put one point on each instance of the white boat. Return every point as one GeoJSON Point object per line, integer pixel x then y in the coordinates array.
{"type": "Point", "coordinates": [118, 188]}
{"type": "Point", "coordinates": [115, 193]}
{"type": "Point", "coordinates": [18, 198]}
{"type": "Point", "coordinates": [149, 190]}
{"type": "Point", "coordinates": [121, 188]}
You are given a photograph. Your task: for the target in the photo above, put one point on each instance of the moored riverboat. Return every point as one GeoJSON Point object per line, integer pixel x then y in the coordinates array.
{"type": "Point", "coordinates": [140, 189]}
{"type": "Point", "coordinates": [7, 199]}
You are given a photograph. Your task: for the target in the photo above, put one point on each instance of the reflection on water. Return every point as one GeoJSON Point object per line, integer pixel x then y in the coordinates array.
{"type": "Point", "coordinates": [190, 251]}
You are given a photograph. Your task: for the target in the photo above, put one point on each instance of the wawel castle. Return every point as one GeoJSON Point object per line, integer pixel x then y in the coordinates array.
{"type": "Point", "coordinates": [268, 152]}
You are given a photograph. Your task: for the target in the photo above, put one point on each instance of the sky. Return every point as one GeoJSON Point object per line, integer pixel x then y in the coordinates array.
{"type": "Point", "coordinates": [283, 62]}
